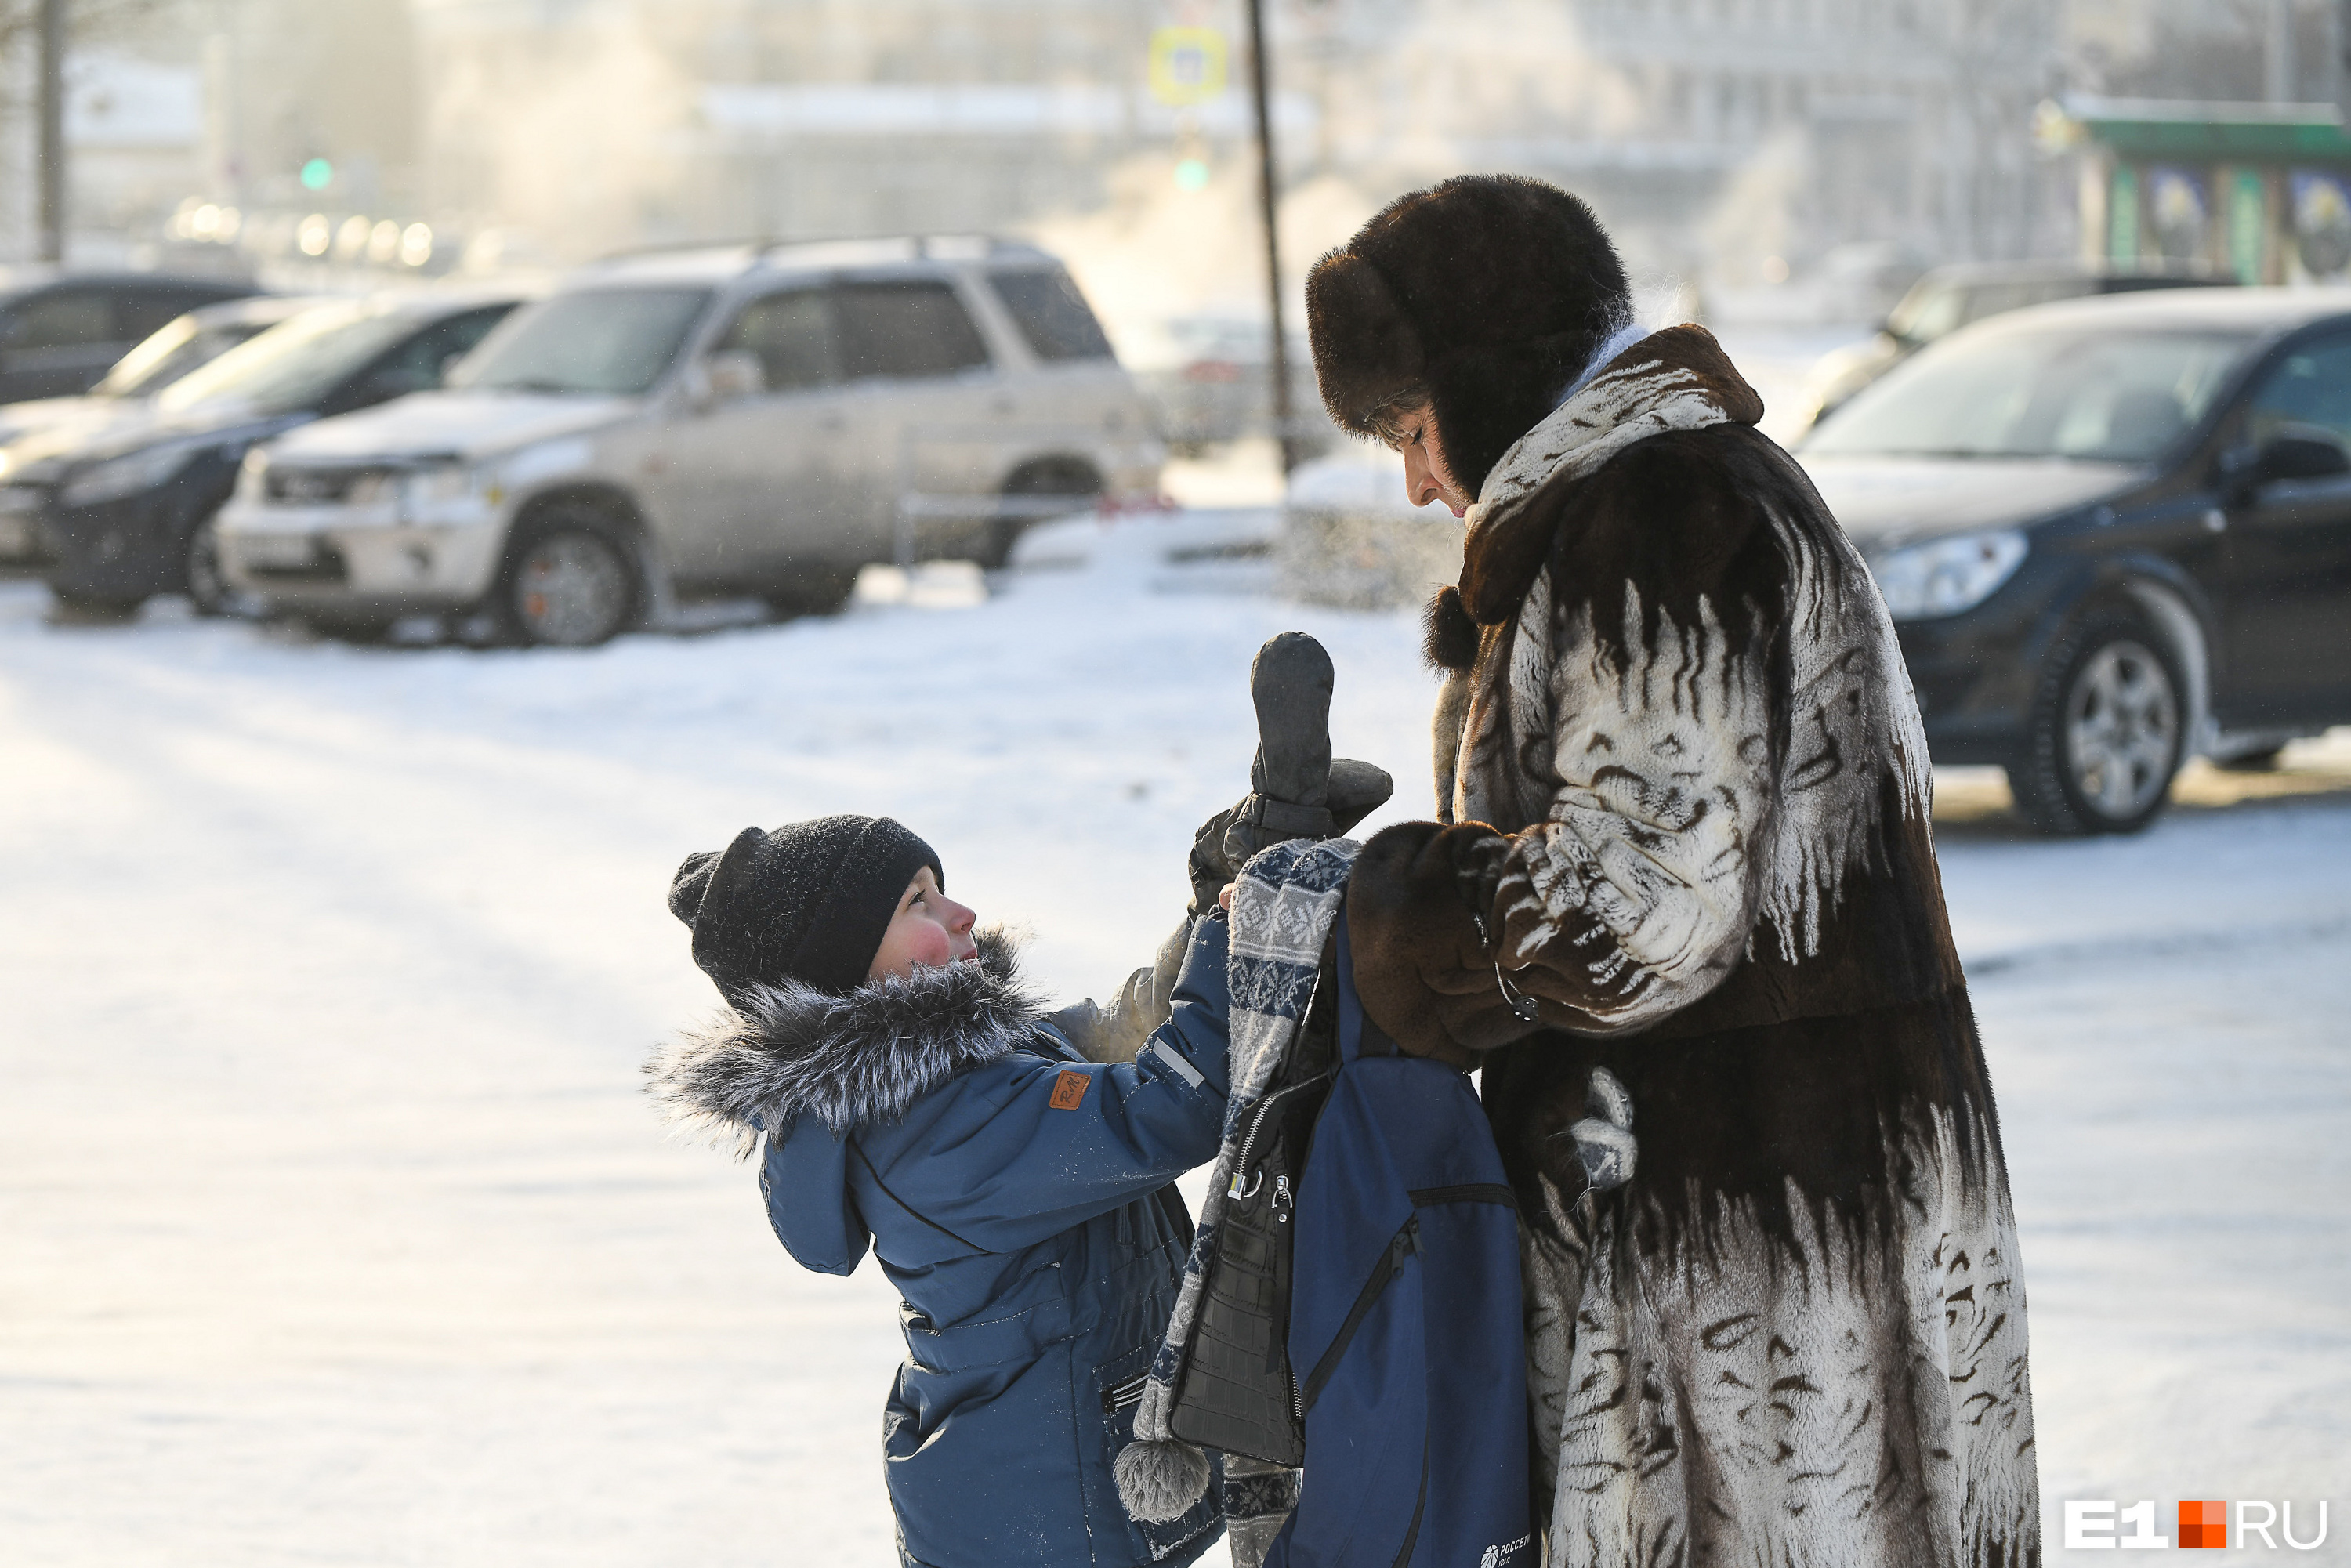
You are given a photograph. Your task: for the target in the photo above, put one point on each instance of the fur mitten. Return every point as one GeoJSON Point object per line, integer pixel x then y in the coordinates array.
{"type": "Point", "coordinates": [1424, 966]}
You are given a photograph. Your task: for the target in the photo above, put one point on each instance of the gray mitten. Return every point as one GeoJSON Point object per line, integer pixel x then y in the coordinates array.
{"type": "Point", "coordinates": [1297, 790]}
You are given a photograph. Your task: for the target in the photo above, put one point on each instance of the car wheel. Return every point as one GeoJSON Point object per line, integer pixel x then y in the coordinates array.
{"type": "Point", "coordinates": [570, 581]}
{"type": "Point", "coordinates": [2108, 732]}
{"type": "Point", "coordinates": [1068, 476]}
{"type": "Point", "coordinates": [814, 589]}
{"type": "Point", "coordinates": [209, 592]}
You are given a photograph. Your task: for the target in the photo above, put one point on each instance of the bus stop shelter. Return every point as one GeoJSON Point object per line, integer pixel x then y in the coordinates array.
{"type": "Point", "coordinates": [2262, 191]}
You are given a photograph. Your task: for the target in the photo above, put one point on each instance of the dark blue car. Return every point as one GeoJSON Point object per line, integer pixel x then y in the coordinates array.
{"type": "Point", "coordinates": [2112, 533]}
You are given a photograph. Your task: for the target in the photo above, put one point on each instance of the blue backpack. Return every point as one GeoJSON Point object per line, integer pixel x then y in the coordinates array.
{"type": "Point", "coordinates": [1404, 1330]}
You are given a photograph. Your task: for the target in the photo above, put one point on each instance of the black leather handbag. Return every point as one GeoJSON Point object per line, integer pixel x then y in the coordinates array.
{"type": "Point", "coordinates": [1236, 1392]}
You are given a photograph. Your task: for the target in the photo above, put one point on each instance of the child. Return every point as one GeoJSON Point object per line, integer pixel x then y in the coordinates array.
{"type": "Point", "coordinates": [915, 1098]}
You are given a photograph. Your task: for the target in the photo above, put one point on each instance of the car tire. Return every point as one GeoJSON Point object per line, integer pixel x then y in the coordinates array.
{"type": "Point", "coordinates": [571, 579]}
{"type": "Point", "coordinates": [1071, 476]}
{"type": "Point", "coordinates": [2263, 761]}
{"type": "Point", "coordinates": [2107, 731]}
{"type": "Point", "coordinates": [208, 591]}
{"type": "Point", "coordinates": [812, 589]}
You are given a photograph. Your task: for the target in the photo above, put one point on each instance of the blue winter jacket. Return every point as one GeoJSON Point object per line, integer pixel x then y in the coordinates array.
{"type": "Point", "coordinates": [1018, 1194]}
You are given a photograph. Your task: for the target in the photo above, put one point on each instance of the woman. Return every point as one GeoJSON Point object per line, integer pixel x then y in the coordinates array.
{"type": "Point", "coordinates": [1683, 872]}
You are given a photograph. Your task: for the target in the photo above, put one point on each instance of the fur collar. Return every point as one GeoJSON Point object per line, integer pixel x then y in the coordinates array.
{"type": "Point", "coordinates": [1679, 379]}
{"type": "Point", "coordinates": [850, 1061]}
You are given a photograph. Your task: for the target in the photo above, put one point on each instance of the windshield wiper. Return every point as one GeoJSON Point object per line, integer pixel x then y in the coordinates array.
{"type": "Point", "coordinates": [536, 384]}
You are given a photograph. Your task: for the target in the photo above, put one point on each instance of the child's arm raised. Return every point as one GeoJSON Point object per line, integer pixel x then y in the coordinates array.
{"type": "Point", "coordinates": [1016, 1151]}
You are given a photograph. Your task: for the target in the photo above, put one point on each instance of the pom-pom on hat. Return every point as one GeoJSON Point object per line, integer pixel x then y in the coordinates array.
{"type": "Point", "coordinates": [808, 902]}
{"type": "Point", "coordinates": [1490, 292]}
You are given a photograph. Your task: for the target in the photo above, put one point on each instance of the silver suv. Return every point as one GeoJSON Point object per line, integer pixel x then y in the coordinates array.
{"type": "Point", "coordinates": [728, 421]}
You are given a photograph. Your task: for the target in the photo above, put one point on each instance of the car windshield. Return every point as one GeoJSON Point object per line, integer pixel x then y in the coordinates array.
{"type": "Point", "coordinates": [295, 363]}
{"type": "Point", "coordinates": [2093, 396]}
{"type": "Point", "coordinates": [171, 353]}
{"type": "Point", "coordinates": [596, 342]}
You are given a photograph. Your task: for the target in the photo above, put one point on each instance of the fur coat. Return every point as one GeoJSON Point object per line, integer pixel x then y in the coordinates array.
{"type": "Point", "coordinates": [1685, 881]}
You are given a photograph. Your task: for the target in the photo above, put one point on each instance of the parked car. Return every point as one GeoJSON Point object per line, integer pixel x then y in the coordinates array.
{"type": "Point", "coordinates": [1206, 381]}
{"type": "Point", "coordinates": [60, 336]}
{"type": "Point", "coordinates": [179, 346]}
{"type": "Point", "coordinates": [127, 511]}
{"type": "Point", "coordinates": [2112, 533]}
{"type": "Point", "coordinates": [747, 420]}
{"type": "Point", "coordinates": [1950, 297]}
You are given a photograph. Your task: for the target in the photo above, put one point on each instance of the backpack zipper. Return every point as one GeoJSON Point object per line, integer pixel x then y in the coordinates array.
{"type": "Point", "coordinates": [1383, 1273]}
{"type": "Point", "coordinates": [1263, 1109]}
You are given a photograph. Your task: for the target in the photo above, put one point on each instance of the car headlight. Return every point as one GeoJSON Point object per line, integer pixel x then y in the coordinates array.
{"type": "Point", "coordinates": [1944, 576]}
{"type": "Point", "coordinates": [126, 475]}
{"type": "Point", "coordinates": [443, 485]}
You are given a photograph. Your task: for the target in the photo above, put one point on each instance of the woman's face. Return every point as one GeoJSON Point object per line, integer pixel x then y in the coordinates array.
{"type": "Point", "coordinates": [1426, 477]}
{"type": "Point", "coordinates": [930, 931]}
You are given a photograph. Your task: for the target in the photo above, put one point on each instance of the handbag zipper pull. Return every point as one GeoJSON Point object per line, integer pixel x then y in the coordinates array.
{"type": "Point", "coordinates": [1281, 1200]}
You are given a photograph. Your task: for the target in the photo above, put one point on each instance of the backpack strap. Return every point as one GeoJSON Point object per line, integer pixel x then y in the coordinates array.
{"type": "Point", "coordinates": [1358, 1035]}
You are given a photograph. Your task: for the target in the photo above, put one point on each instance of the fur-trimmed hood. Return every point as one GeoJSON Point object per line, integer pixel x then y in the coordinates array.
{"type": "Point", "coordinates": [850, 1060]}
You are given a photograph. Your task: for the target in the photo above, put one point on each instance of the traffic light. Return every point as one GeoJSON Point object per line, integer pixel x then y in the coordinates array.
{"type": "Point", "coordinates": [318, 175]}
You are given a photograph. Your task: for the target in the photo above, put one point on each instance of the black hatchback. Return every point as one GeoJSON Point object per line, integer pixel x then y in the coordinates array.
{"type": "Point", "coordinates": [58, 338]}
{"type": "Point", "coordinates": [2113, 534]}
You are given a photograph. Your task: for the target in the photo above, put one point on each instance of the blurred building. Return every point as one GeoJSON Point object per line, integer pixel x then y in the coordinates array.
{"type": "Point", "coordinates": [1734, 141]}
{"type": "Point", "coordinates": [582, 124]}
{"type": "Point", "coordinates": [1745, 134]}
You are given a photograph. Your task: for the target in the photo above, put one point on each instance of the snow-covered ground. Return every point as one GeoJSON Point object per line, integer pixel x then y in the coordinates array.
{"type": "Point", "coordinates": [333, 1229]}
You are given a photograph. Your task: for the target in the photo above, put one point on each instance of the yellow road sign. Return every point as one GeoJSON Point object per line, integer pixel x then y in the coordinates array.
{"type": "Point", "coordinates": [1188, 65]}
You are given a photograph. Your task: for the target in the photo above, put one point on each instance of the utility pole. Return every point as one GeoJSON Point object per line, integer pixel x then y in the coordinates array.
{"type": "Point", "coordinates": [52, 95]}
{"type": "Point", "coordinates": [1278, 360]}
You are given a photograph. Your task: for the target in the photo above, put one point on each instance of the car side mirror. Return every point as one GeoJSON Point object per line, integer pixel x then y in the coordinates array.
{"type": "Point", "coordinates": [2301, 454]}
{"type": "Point", "coordinates": [733, 373]}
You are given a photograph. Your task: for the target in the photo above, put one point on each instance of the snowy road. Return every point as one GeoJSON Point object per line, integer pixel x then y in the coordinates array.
{"type": "Point", "coordinates": [336, 1230]}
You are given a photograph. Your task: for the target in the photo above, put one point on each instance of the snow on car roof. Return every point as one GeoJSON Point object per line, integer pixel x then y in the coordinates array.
{"type": "Point", "coordinates": [721, 263]}
{"type": "Point", "coordinates": [2237, 310]}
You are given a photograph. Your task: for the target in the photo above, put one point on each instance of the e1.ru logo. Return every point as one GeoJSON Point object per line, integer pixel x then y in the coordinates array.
{"type": "Point", "coordinates": [2090, 1525]}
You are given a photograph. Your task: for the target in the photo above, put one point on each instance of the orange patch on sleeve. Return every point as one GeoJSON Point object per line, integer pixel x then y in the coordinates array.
{"type": "Point", "coordinates": [1069, 1088]}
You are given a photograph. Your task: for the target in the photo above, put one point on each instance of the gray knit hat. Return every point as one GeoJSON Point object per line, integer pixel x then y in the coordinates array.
{"type": "Point", "coordinates": [808, 902]}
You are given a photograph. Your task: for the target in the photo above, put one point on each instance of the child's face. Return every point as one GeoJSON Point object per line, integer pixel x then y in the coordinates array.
{"type": "Point", "coordinates": [930, 930]}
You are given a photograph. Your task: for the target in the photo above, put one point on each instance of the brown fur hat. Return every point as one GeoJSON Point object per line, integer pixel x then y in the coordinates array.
{"type": "Point", "coordinates": [1490, 291]}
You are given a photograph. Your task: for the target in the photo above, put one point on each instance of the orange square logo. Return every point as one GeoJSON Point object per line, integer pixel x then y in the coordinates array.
{"type": "Point", "coordinates": [1070, 1091]}
{"type": "Point", "coordinates": [2203, 1524]}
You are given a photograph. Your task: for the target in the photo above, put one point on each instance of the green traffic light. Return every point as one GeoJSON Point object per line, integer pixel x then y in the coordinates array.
{"type": "Point", "coordinates": [317, 174]}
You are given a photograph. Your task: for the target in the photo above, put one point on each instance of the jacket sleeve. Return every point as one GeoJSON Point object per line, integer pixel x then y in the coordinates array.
{"type": "Point", "coordinates": [1652, 782]}
{"type": "Point", "coordinates": [1023, 1148]}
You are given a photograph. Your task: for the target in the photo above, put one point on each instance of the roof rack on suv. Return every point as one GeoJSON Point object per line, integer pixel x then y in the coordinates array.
{"type": "Point", "coordinates": [850, 249]}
